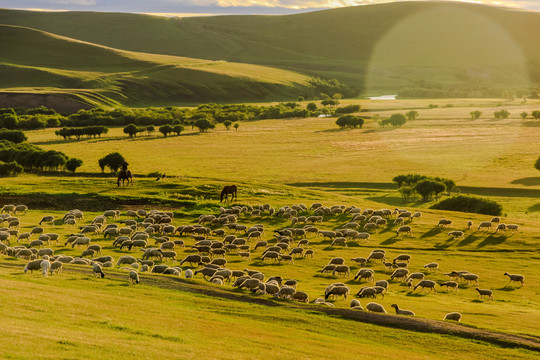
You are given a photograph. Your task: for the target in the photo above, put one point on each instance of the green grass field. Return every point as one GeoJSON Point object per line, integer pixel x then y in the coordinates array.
{"type": "Point", "coordinates": [285, 162]}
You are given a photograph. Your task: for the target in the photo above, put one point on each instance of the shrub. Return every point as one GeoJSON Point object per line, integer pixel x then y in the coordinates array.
{"type": "Point", "coordinates": [469, 204]}
{"type": "Point", "coordinates": [475, 115]}
{"type": "Point", "coordinates": [311, 106]}
{"type": "Point", "coordinates": [350, 120]}
{"type": "Point", "coordinates": [411, 115]}
{"type": "Point", "coordinates": [501, 114]}
{"type": "Point", "coordinates": [9, 120]}
{"type": "Point", "coordinates": [397, 120]}
{"type": "Point", "coordinates": [15, 136]}
{"type": "Point", "coordinates": [10, 169]}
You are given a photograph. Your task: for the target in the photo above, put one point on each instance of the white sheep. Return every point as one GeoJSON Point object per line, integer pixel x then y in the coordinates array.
{"type": "Point", "coordinates": [45, 265]}
{"type": "Point", "coordinates": [374, 307]}
{"type": "Point", "coordinates": [404, 229]}
{"type": "Point", "coordinates": [454, 316]}
{"type": "Point", "coordinates": [430, 284]}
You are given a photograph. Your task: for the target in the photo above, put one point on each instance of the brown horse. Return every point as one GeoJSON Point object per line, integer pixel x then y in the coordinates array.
{"type": "Point", "coordinates": [124, 175]}
{"type": "Point", "coordinates": [232, 190]}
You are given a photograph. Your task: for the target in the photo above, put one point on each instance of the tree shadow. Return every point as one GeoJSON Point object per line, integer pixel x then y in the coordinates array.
{"type": "Point", "coordinates": [535, 207]}
{"type": "Point", "coordinates": [493, 240]}
{"type": "Point", "coordinates": [528, 181]}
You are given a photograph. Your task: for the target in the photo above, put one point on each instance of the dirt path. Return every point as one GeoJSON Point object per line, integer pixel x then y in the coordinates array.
{"type": "Point", "coordinates": [392, 321]}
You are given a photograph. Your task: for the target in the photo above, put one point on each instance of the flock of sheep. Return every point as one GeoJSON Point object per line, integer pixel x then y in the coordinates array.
{"type": "Point", "coordinates": [218, 236]}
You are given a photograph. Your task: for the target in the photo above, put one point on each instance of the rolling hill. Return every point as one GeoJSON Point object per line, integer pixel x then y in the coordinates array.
{"type": "Point", "coordinates": [373, 49]}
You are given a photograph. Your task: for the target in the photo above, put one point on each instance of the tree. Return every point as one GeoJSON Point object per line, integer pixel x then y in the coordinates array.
{"type": "Point", "coordinates": [337, 96]}
{"type": "Point", "coordinates": [398, 120]}
{"type": "Point", "coordinates": [311, 106]}
{"type": "Point", "coordinates": [300, 98]}
{"type": "Point", "coordinates": [165, 130]}
{"type": "Point", "coordinates": [536, 114]}
{"type": "Point", "coordinates": [523, 115]}
{"type": "Point", "coordinates": [177, 129]}
{"type": "Point", "coordinates": [113, 161]}
{"type": "Point", "coordinates": [475, 115]}
{"type": "Point", "coordinates": [537, 164]}
{"type": "Point", "coordinates": [10, 169]}
{"type": "Point", "coordinates": [204, 125]}
{"type": "Point", "coordinates": [411, 115]}
{"type": "Point", "coordinates": [236, 126]}
{"type": "Point", "coordinates": [349, 120]}
{"type": "Point", "coordinates": [73, 163]}
{"type": "Point", "coordinates": [501, 114]}
{"type": "Point", "coordinates": [428, 188]}
{"type": "Point", "coordinates": [150, 129]}
{"type": "Point", "coordinates": [15, 136]}
{"type": "Point", "coordinates": [131, 130]}
{"type": "Point", "coordinates": [9, 120]}
{"type": "Point", "coordinates": [227, 124]}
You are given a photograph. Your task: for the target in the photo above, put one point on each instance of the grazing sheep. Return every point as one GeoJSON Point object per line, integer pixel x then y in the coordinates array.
{"type": "Point", "coordinates": [367, 292]}
{"type": "Point", "coordinates": [188, 273]}
{"type": "Point", "coordinates": [301, 296]}
{"type": "Point", "coordinates": [339, 241]}
{"type": "Point", "coordinates": [485, 225]}
{"type": "Point", "coordinates": [512, 227]}
{"type": "Point", "coordinates": [430, 284]}
{"type": "Point", "coordinates": [415, 276]}
{"type": "Point", "coordinates": [469, 224]}
{"type": "Point", "coordinates": [337, 261]}
{"type": "Point", "coordinates": [444, 223]}
{"type": "Point", "coordinates": [360, 261]}
{"type": "Point", "coordinates": [401, 311]}
{"type": "Point", "coordinates": [404, 229]}
{"type": "Point", "coordinates": [88, 252]}
{"type": "Point", "coordinates": [49, 252]}
{"type": "Point", "coordinates": [252, 285]}
{"type": "Point", "coordinates": [432, 266]}
{"type": "Point", "coordinates": [49, 219]}
{"type": "Point", "coordinates": [370, 227]}
{"type": "Point", "coordinates": [376, 256]}
{"type": "Point", "coordinates": [501, 228]}
{"type": "Point", "coordinates": [8, 208]}
{"type": "Point", "coordinates": [169, 255]}
{"type": "Point", "coordinates": [399, 274]}
{"type": "Point", "coordinates": [341, 270]}
{"type": "Point", "coordinates": [328, 268]}
{"type": "Point", "coordinates": [355, 305]}
{"type": "Point", "coordinates": [456, 234]}
{"type": "Point", "coordinates": [56, 267]}
{"type": "Point", "coordinates": [454, 316]}
{"type": "Point", "coordinates": [37, 230]}
{"type": "Point", "coordinates": [515, 278]}
{"type": "Point", "coordinates": [374, 307]}
{"type": "Point", "coordinates": [337, 291]}
{"type": "Point", "coordinates": [468, 277]}
{"type": "Point", "coordinates": [23, 236]}
{"type": "Point", "coordinates": [83, 240]}
{"type": "Point", "coordinates": [402, 257]}
{"type": "Point", "coordinates": [192, 259]}
{"type": "Point", "coordinates": [450, 284]}
{"type": "Point", "coordinates": [36, 243]}
{"type": "Point", "coordinates": [33, 265]}
{"type": "Point", "coordinates": [98, 271]}
{"type": "Point", "coordinates": [45, 265]}
{"type": "Point", "coordinates": [134, 276]}
{"type": "Point", "coordinates": [484, 292]}
{"type": "Point", "coordinates": [367, 274]}
{"type": "Point", "coordinates": [126, 259]}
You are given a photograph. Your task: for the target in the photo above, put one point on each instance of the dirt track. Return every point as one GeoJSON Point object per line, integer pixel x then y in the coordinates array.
{"type": "Point", "coordinates": [399, 322]}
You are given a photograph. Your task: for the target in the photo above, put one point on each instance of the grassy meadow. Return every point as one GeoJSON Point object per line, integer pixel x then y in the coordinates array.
{"type": "Point", "coordinates": [285, 162]}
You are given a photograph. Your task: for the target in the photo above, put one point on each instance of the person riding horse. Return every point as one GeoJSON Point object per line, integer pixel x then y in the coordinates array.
{"type": "Point", "coordinates": [124, 174]}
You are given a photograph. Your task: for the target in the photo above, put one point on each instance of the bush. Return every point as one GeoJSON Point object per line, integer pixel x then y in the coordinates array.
{"type": "Point", "coordinates": [10, 169]}
{"type": "Point", "coordinates": [15, 136]}
{"type": "Point", "coordinates": [475, 115]}
{"type": "Point", "coordinates": [469, 204]}
{"type": "Point", "coordinates": [397, 120]}
{"type": "Point", "coordinates": [349, 109]}
{"type": "Point", "coordinates": [31, 157]}
{"type": "Point", "coordinates": [501, 114]}
{"type": "Point", "coordinates": [9, 120]}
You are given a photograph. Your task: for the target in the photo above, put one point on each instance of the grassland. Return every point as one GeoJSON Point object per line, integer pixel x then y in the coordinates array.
{"type": "Point", "coordinates": [284, 162]}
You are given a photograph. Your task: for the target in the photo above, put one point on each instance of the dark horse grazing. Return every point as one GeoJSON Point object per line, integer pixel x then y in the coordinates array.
{"type": "Point", "coordinates": [125, 174]}
{"type": "Point", "coordinates": [231, 189]}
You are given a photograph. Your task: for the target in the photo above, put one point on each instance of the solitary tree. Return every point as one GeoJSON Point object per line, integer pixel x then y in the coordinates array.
{"type": "Point", "coordinates": [411, 115]}
{"type": "Point", "coordinates": [475, 115]}
{"type": "Point", "coordinates": [227, 124]}
{"type": "Point", "coordinates": [204, 125]}
{"type": "Point", "coordinates": [73, 163]}
{"type": "Point", "coordinates": [236, 126]}
{"type": "Point", "coordinates": [523, 115]}
{"type": "Point", "coordinates": [398, 120]}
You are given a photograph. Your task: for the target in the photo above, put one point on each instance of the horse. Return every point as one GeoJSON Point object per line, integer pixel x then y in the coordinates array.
{"type": "Point", "coordinates": [124, 175]}
{"type": "Point", "coordinates": [231, 189]}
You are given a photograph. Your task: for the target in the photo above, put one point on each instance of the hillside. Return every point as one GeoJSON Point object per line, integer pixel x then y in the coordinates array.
{"type": "Point", "coordinates": [372, 48]}
{"type": "Point", "coordinates": [37, 61]}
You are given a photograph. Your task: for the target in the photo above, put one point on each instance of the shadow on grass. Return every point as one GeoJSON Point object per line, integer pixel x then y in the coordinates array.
{"type": "Point", "coordinates": [528, 181]}
{"type": "Point", "coordinates": [434, 231]}
{"type": "Point", "coordinates": [508, 288]}
{"type": "Point", "coordinates": [535, 207]}
{"type": "Point", "coordinates": [468, 240]}
{"type": "Point", "coordinates": [391, 240]}
{"type": "Point", "coordinates": [493, 240]}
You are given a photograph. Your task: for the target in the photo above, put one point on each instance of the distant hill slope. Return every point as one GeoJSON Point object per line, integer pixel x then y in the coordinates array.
{"type": "Point", "coordinates": [373, 48]}
{"type": "Point", "coordinates": [33, 60]}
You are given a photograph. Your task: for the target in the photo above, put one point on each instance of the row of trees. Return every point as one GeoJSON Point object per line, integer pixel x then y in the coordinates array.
{"type": "Point", "coordinates": [504, 114]}
{"type": "Point", "coordinates": [396, 120]}
{"type": "Point", "coordinates": [78, 132]}
{"type": "Point", "coordinates": [350, 121]}
{"type": "Point", "coordinates": [427, 187]}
